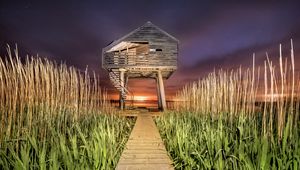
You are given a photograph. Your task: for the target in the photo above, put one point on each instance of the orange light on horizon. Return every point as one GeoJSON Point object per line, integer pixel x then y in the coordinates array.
{"type": "Point", "coordinates": [140, 98]}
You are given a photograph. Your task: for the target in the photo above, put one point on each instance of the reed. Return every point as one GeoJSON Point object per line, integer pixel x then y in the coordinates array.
{"type": "Point", "coordinates": [242, 92]}
{"type": "Point", "coordinates": [55, 116]}
{"type": "Point", "coordinates": [37, 90]}
{"type": "Point", "coordinates": [200, 142]}
{"type": "Point", "coordinates": [92, 142]}
{"type": "Point", "coordinates": [237, 119]}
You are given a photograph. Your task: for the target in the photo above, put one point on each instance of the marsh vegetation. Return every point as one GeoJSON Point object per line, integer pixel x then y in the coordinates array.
{"type": "Point", "coordinates": [56, 117]}
{"type": "Point", "coordinates": [239, 119]}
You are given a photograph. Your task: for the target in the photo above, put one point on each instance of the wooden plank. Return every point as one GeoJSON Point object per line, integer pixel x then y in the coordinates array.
{"type": "Point", "coordinates": [145, 167]}
{"type": "Point", "coordinates": [144, 149]}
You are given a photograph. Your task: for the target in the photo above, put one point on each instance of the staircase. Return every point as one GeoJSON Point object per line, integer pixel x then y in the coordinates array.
{"type": "Point", "coordinates": [114, 76]}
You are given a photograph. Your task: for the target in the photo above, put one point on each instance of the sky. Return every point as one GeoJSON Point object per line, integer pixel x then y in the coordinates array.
{"type": "Point", "coordinates": [212, 34]}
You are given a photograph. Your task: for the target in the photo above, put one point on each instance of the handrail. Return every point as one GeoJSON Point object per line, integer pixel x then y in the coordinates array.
{"type": "Point", "coordinates": [131, 59]}
{"type": "Point", "coordinates": [125, 88]}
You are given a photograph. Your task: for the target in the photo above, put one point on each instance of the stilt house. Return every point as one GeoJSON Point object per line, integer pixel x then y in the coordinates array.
{"type": "Point", "coordinates": [147, 52]}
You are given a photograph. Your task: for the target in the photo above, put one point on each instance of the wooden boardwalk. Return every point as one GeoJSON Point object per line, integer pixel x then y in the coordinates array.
{"type": "Point", "coordinates": [145, 148]}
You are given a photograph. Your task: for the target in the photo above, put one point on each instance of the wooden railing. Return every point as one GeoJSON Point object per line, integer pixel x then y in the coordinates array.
{"type": "Point", "coordinates": [113, 60]}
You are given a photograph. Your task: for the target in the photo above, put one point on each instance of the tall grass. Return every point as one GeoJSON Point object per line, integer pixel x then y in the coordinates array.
{"type": "Point", "coordinates": [93, 142]}
{"type": "Point", "coordinates": [238, 119]}
{"type": "Point", "coordinates": [271, 92]}
{"type": "Point", "coordinates": [55, 116]}
{"type": "Point", "coordinates": [38, 90]}
{"type": "Point", "coordinates": [199, 142]}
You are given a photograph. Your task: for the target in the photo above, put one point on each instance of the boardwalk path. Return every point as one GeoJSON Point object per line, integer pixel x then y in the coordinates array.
{"type": "Point", "coordinates": [144, 149]}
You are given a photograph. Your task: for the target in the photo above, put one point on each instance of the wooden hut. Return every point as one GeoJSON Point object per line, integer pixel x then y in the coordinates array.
{"type": "Point", "coordinates": [147, 52]}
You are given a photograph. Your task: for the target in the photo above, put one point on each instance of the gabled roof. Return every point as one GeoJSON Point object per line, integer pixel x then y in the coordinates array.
{"type": "Point", "coordinates": [147, 24]}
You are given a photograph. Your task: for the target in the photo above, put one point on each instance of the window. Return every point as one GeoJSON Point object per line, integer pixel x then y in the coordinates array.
{"type": "Point", "coordinates": [153, 49]}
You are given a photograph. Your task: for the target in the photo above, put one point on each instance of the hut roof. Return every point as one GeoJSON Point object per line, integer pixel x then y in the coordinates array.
{"type": "Point", "coordinates": [147, 24]}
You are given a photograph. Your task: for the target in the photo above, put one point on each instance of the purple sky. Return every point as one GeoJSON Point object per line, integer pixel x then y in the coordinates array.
{"type": "Point", "coordinates": [212, 34]}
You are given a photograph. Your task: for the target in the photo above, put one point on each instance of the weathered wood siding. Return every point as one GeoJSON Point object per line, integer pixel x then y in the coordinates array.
{"type": "Point", "coordinates": [163, 49]}
{"type": "Point", "coordinates": [157, 40]}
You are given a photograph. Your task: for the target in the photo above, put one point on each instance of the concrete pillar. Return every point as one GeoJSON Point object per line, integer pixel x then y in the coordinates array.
{"type": "Point", "coordinates": [122, 82]}
{"type": "Point", "coordinates": [158, 95]}
{"type": "Point", "coordinates": [162, 90]}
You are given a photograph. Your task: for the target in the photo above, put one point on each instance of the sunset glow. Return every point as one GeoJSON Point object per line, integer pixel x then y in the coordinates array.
{"type": "Point", "coordinates": [140, 98]}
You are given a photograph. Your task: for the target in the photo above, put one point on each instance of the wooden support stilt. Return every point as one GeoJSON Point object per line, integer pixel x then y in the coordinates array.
{"type": "Point", "coordinates": [158, 95]}
{"type": "Point", "coordinates": [161, 90]}
{"type": "Point", "coordinates": [122, 92]}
